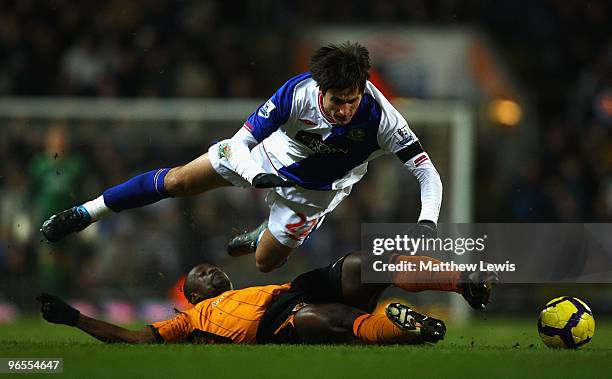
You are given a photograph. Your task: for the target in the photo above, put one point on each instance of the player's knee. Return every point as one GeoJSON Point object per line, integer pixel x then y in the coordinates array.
{"type": "Point", "coordinates": [264, 266]}
{"type": "Point", "coordinates": [307, 316]}
{"type": "Point", "coordinates": [270, 254]}
{"type": "Point", "coordinates": [353, 262]}
{"type": "Point", "coordinates": [175, 182]}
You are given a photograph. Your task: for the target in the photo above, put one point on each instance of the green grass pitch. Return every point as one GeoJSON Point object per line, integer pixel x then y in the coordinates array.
{"type": "Point", "coordinates": [492, 348]}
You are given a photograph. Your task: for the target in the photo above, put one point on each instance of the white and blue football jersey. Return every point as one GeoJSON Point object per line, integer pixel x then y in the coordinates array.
{"type": "Point", "coordinates": [305, 145]}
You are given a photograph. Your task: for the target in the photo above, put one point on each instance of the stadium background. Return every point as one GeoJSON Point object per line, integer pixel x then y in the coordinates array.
{"type": "Point", "coordinates": [536, 75]}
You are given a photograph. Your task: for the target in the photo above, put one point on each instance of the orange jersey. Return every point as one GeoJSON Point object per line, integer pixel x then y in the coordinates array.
{"type": "Point", "coordinates": [232, 316]}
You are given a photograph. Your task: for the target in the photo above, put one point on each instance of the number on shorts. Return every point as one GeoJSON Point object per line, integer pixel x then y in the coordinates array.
{"type": "Point", "coordinates": [302, 228]}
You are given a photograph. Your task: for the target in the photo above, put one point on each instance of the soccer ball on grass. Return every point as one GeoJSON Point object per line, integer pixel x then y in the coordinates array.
{"type": "Point", "coordinates": [566, 322]}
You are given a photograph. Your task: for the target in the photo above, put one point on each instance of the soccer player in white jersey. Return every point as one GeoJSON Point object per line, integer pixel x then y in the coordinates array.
{"type": "Point", "coordinates": [309, 143]}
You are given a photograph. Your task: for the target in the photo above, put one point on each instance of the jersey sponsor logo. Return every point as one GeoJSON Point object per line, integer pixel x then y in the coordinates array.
{"type": "Point", "coordinates": [403, 136]}
{"type": "Point", "coordinates": [307, 122]}
{"type": "Point", "coordinates": [264, 110]}
{"type": "Point", "coordinates": [315, 143]}
{"type": "Point", "coordinates": [357, 134]}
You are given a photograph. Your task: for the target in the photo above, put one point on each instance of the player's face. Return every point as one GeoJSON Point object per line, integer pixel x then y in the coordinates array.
{"type": "Point", "coordinates": [206, 281]}
{"type": "Point", "coordinates": [342, 105]}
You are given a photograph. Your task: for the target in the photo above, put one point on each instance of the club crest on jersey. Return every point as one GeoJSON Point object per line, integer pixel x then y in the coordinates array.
{"type": "Point", "coordinates": [264, 110]}
{"type": "Point", "coordinates": [224, 150]}
{"type": "Point", "coordinates": [403, 136]}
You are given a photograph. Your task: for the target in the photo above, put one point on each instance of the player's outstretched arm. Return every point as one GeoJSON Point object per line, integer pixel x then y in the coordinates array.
{"type": "Point", "coordinates": [56, 311]}
{"type": "Point", "coordinates": [239, 157]}
{"type": "Point", "coordinates": [395, 137]}
{"type": "Point", "coordinates": [107, 332]}
{"type": "Point", "coordinates": [419, 164]}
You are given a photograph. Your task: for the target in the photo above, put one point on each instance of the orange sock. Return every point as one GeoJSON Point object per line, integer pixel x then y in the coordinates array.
{"type": "Point", "coordinates": [378, 329]}
{"type": "Point", "coordinates": [422, 280]}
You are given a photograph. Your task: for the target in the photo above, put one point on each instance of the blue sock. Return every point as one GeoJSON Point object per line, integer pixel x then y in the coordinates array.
{"type": "Point", "coordinates": [141, 190]}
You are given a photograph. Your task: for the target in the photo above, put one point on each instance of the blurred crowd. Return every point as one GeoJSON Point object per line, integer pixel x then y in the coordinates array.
{"type": "Point", "coordinates": [561, 51]}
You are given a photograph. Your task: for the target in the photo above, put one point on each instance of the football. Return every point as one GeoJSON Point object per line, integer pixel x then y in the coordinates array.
{"type": "Point", "coordinates": [566, 322]}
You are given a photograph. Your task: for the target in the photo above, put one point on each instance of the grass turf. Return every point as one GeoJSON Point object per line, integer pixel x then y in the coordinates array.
{"type": "Point", "coordinates": [495, 348]}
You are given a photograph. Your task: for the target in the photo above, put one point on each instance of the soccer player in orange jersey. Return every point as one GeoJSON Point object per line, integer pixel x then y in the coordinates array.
{"type": "Point", "coordinates": [327, 305]}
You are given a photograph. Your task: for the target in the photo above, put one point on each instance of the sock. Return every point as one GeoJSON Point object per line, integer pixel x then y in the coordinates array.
{"type": "Point", "coordinates": [416, 281]}
{"type": "Point", "coordinates": [378, 329]}
{"type": "Point", "coordinates": [141, 190]}
{"type": "Point", "coordinates": [96, 208]}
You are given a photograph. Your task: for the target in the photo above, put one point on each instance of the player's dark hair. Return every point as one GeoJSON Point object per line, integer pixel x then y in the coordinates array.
{"type": "Point", "coordinates": [340, 67]}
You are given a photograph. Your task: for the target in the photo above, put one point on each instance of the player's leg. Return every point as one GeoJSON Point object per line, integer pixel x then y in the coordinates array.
{"type": "Point", "coordinates": [270, 253]}
{"type": "Point", "coordinates": [339, 323]}
{"type": "Point", "coordinates": [341, 282]}
{"type": "Point", "coordinates": [326, 323]}
{"type": "Point", "coordinates": [361, 295]}
{"type": "Point", "coordinates": [195, 177]}
{"type": "Point", "coordinates": [475, 287]}
{"type": "Point", "coordinates": [365, 295]}
{"type": "Point", "coordinates": [150, 187]}
{"type": "Point", "coordinates": [286, 230]}
{"type": "Point", "coordinates": [288, 226]}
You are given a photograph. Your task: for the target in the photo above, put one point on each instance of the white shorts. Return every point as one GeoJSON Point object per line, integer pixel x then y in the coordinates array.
{"type": "Point", "coordinates": [295, 212]}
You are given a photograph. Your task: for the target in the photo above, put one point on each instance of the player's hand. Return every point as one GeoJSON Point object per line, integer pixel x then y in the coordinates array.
{"type": "Point", "coordinates": [264, 180]}
{"type": "Point", "coordinates": [55, 310]}
{"type": "Point", "coordinates": [426, 229]}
